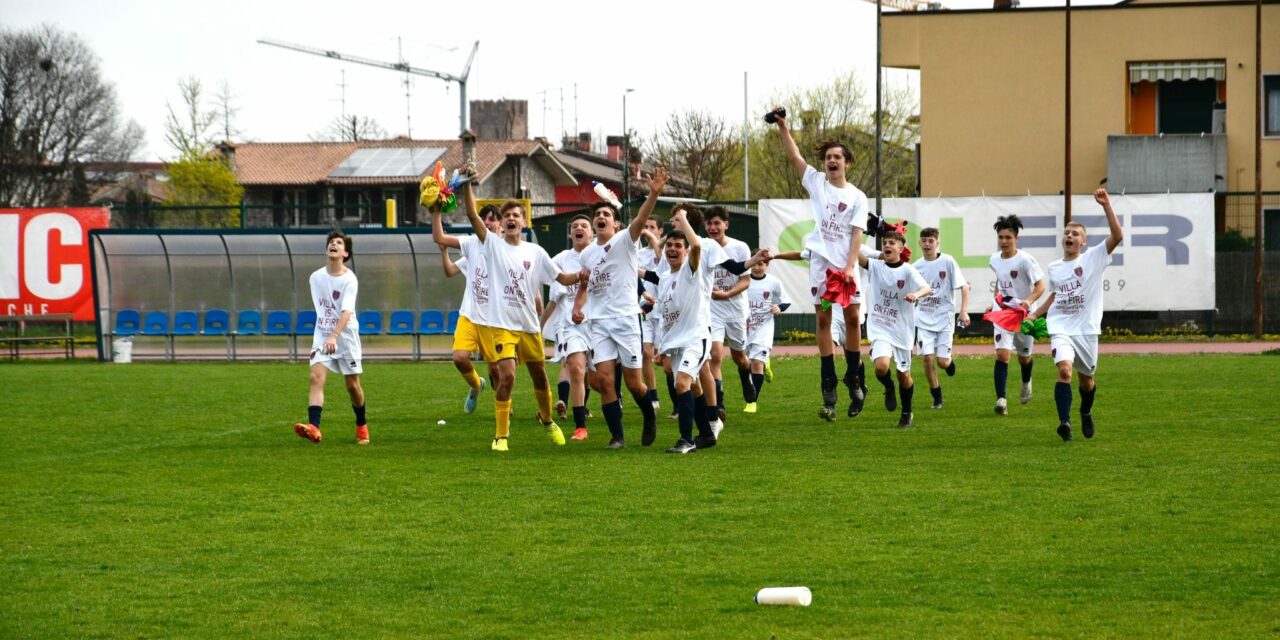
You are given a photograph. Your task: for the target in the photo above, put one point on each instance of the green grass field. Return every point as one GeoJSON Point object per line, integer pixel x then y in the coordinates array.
{"type": "Point", "coordinates": [157, 500]}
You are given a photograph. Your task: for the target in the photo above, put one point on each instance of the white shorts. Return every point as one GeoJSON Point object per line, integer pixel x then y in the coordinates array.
{"type": "Point", "coordinates": [570, 340]}
{"type": "Point", "coordinates": [901, 357]}
{"type": "Point", "coordinates": [615, 339]}
{"type": "Point", "coordinates": [1019, 342]}
{"type": "Point", "coordinates": [1082, 351]}
{"type": "Point", "coordinates": [689, 358]}
{"type": "Point", "coordinates": [337, 363]}
{"type": "Point", "coordinates": [756, 351]}
{"type": "Point", "coordinates": [818, 266]}
{"type": "Point", "coordinates": [649, 329]}
{"type": "Point", "coordinates": [934, 343]}
{"type": "Point", "coordinates": [729, 332]}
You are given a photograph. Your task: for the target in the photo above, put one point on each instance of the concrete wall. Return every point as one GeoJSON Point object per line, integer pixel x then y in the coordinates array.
{"type": "Point", "coordinates": [992, 89]}
{"type": "Point", "coordinates": [1181, 163]}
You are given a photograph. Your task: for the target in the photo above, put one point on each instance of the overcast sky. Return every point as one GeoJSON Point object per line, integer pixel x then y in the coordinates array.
{"type": "Point", "coordinates": [675, 55]}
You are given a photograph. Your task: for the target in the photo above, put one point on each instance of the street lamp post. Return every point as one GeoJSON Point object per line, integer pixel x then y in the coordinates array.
{"type": "Point", "coordinates": [626, 152]}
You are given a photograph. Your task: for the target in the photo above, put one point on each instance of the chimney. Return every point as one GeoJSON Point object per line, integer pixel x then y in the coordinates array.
{"type": "Point", "coordinates": [615, 145]}
{"type": "Point", "coordinates": [468, 145]}
{"type": "Point", "coordinates": [584, 141]}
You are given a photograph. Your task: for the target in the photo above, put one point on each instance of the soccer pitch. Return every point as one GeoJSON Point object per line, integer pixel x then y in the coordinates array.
{"type": "Point", "coordinates": [174, 500]}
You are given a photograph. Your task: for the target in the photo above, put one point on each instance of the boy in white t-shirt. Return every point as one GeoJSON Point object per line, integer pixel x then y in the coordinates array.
{"type": "Point", "coordinates": [649, 256]}
{"type": "Point", "coordinates": [728, 307]}
{"type": "Point", "coordinates": [936, 313]}
{"type": "Point", "coordinates": [840, 216]}
{"type": "Point", "coordinates": [1019, 278]}
{"type": "Point", "coordinates": [1074, 314]}
{"type": "Point", "coordinates": [893, 286]}
{"type": "Point", "coordinates": [765, 299]}
{"type": "Point", "coordinates": [518, 271]}
{"type": "Point", "coordinates": [685, 336]}
{"type": "Point", "coordinates": [335, 345]}
{"type": "Point", "coordinates": [571, 345]}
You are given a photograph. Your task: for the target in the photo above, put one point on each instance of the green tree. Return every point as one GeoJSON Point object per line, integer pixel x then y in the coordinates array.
{"type": "Point", "coordinates": [204, 179]}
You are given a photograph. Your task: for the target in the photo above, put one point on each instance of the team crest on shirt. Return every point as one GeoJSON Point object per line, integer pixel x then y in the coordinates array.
{"type": "Point", "coordinates": [1079, 271]}
{"type": "Point", "coordinates": [766, 295]}
{"type": "Point", "coordinates": [526, 265]}
{"type": "Point", "coordinates": [842, 207]}
{"type": "Point", "coordinates": [1013, 274]}
{"type": "Point", "coordinates": [336, 294]}
{"type": "Point", "coordinates": [942, 275]}
{"type": "Point", "coordinates": [901, 283]}
{"type": "Point", "coordinates": [607, 247]}
{"type": "Point", "coordinates": [813, 290]}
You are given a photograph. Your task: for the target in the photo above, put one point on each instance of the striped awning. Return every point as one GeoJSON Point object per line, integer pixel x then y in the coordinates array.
{"type": "Point", "coordinates": [1185, 70]}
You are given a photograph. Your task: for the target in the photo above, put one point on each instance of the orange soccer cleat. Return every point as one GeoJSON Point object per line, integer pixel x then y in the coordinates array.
{"type": "Point", "coordinates": [579, 434]}
{"type": "Point", "coordinates": [308, 431]}
{"type": "Point", "coordinates": [362, 434]}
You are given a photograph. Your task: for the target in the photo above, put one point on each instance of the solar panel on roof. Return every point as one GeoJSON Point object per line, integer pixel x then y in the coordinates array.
{"type": "Point", "coordinates": [387, 162]}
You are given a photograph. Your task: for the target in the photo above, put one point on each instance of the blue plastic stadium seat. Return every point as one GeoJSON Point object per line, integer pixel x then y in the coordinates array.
{"type": "Point", "coordinates": [217, 322]}
{"type": "Point", "coordinates": [431, 322]}
{"type": "Point", "coordinates": [401, 323]}
{"type": "Point", "coordinates": [453, 322]}
{"type": "Point", "coordinates": [248, 322]}
{"type": "Point", "coordinates": [306, 323]}
{"type": "Point", "coordinates": [156, 324]}
{"type": "Point", "coordinates": [128, 322]}
{"type": "Point", "coordinates": [185, 323]}
{"type": "Point", "coordinates": [279, 323]}
{"type": "Point", "coordinates": [370, 323]}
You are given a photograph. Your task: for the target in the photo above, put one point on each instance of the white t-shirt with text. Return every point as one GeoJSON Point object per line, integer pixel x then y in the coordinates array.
{"type": "Point", "coordinates": [1077, 288]}
{"type": "Point", "coordinates": [331, 296]}
{"type": "Point", "coordinates": [889, 316]}
{"type": "Point", "coordinates": [937, 310]}
{"type": "Point", "coordinates": [836, 211]}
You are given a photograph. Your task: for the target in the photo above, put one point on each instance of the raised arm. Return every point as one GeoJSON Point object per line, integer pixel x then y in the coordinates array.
{"type": "Point", "coordinates": [469, 197]}
{"type": "Point", "coordinates": [651, 240]}
{"type": "Point", "coordinates": [681, 223]}
{"type": "Point", "coordinates": [450, 269]}
{"type": "Point", "coordinates": [789, 146]}
{"type": "Point", "coordinates": [1117, 234]}
{"type": "Point", "coordinates": [437, 232]}
{"type": "Point", "coordinates": [657, 182]}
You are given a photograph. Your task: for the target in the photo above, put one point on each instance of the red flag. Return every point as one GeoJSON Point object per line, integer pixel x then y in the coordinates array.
{"type": "Point", "coordinates": [839, 291]}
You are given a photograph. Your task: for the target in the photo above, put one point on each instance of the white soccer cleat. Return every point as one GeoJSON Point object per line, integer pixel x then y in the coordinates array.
{"type": "Point", "coordinates": [716, 427]}
{"type": "Point", "coordinates": [1002, 406]}
{"type": "Point", "coordinates": [1025, 396]}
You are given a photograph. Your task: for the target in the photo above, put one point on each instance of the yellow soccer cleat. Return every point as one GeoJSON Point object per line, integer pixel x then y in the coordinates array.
{"type": "Point", "coordinates": [750, 408]}
{"type": "Point", "coordinates": [554, 433]}
{"type": "Point", "coordinates": [499, 444]}
{"type": "Point", "coordinates": [768, 370]}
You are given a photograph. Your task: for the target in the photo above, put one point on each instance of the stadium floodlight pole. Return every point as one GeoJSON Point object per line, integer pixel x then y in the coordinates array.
{"type": "Point", "coordinates": [394, 66]}
{"type": "Point", "coordinates": [1257, 172]}
{"type": "Point", "coordinates": [1066, 143]}
{"type": "Point", "coordinates": [879, 106]}
{"type": "Point", "coordinates": [626, 153]}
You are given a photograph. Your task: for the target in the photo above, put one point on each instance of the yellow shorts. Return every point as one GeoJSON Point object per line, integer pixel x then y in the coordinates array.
{"type": "Point", "coordinates": [474, 338]}
{"type": "Point", "coordinates": [521, 345]}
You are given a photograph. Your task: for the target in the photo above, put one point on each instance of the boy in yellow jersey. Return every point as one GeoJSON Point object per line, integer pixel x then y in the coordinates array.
{"type": "Point", "coordinates": [473, 312]}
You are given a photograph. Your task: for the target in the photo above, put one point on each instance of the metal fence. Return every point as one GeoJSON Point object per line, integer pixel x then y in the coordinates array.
{"type": "Point", "coordinates": [1235, 245]}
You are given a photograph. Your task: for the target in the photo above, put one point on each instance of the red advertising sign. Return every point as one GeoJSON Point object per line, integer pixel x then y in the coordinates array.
{"type": "Point", "coordinates": [44, 261]}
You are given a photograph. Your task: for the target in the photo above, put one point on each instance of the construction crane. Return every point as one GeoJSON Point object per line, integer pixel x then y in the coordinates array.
{"type": "Point", "coordinates": [912, 5]}
{"type": "Point", "coordinates": [394, 66]}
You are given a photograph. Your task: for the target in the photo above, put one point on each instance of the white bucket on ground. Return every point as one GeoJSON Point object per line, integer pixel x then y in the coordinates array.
{"type": "Point", "coordinates": [787, 596]}
{"type": "Point", "coordinates": [122, 350]}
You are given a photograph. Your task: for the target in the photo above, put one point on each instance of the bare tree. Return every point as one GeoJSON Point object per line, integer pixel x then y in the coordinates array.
{"type": "Point", "coordinates": [227, 110]}
{"type": "Point", "coordinates": [351, 128]}
{"type": "Point", "coordinates": [699, 148]}
{"type": "Point", "coordinates": [56, 111]}
{"type": "Point", "coordinates": [188, 132]}
{"type": "Point", "coordinates": [841, 110]}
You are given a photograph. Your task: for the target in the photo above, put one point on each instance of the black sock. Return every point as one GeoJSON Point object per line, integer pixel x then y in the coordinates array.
{"type": "Point", "coordinates": [719, 394]}
{"type": "Point", "coordinates": [359, 411]}
{"type": "Point", "coordinates": [713, 413]}
{"type": "Point", "coordinates": [757, 382]}
{"type": "Point", "coordinates": [852, 365]}
{"type": "Point", "coordinates": [562, 388]}
{"type": "Point", "coordinates": [950, 368]}
{"type": "Point", "coordinates": [862, 375]}
{"type": "Point", "coordinates": [613, 417]}
{"type": "Point", "coordinates": [617, 380]}
{"type": "Point", "coordinates": [313, 415]}
{"type": "Point", "coordinates": [646, 407]}
{"type": "Point", "coordinates": [906, 393]}
{"type": "Point", "coordinates": [580, 417]}
{"type": "Point", "coordinates": [1086, 400]}
{"type": "Point", "coordinates": [586, 395]}
{"type": "Point", "coordinates": [1062, 396]}
{"type": "Point", "coordinates": [748, 389]}
{"type": "Point", "coordinates": [700, 415]}
{"type": "Point", "coordinates": [828, 371]}
{"type": "Point", "coordinates": [885, 379]}
{"type": "Point", "coordinates": [1026, 371]}
{"type": "Point", "coordinates": [653, 395]}
{"type": "Point", "coordinates": [1002, 378]}
{"type": "Point", "coordinates": [685, 409]}
{"type": "Point", "coordinates": [937, 394]}
{"type": "Point", "coordinates": [671, 389]}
